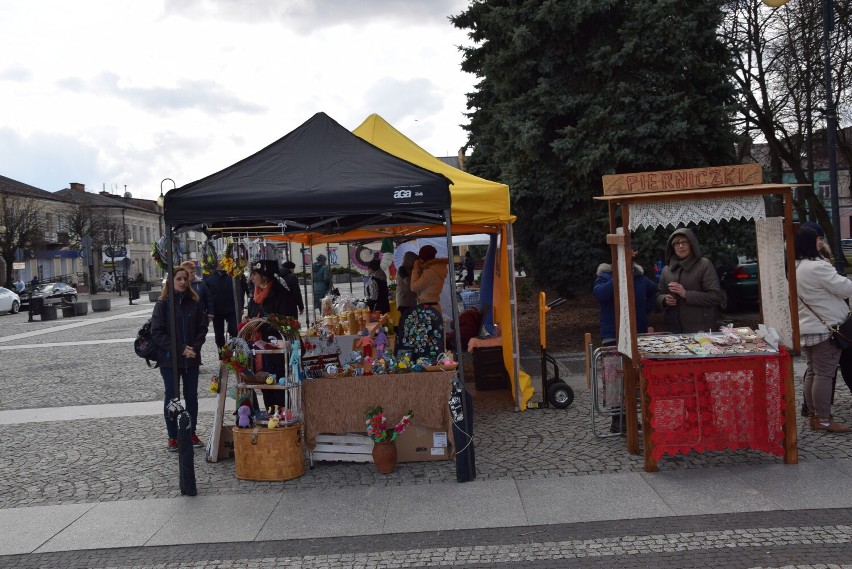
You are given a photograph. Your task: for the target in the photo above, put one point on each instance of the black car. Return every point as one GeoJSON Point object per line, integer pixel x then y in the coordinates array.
{"type": "Point", "coordinates": [51, 293]}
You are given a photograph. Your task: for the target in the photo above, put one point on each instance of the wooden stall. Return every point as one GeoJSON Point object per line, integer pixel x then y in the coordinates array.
{"type": "Point", "coordinates": [684, 403]}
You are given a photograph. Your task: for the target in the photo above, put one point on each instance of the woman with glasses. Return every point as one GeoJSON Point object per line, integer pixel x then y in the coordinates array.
{"type": "Point", "coordinates": [688, 291]}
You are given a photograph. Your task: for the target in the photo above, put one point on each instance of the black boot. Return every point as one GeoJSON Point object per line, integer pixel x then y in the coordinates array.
{"type": "Point", "coordinates": [805, 410]}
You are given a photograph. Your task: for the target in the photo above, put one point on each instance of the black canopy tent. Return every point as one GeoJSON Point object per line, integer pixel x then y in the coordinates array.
{"type": "Point", "coordinates": [320, 177]}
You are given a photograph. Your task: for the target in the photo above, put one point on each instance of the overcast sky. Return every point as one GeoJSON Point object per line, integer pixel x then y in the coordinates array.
{"type": "Point", "coordinates": [128, 92]}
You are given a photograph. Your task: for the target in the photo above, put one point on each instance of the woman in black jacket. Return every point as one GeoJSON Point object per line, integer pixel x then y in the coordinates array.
{"type": "Point", "coordinates": [294, 303]}
{"type": "Point", "coordinates": [269, 297]}
{"type": "Point", "coordinates": [190, 331]}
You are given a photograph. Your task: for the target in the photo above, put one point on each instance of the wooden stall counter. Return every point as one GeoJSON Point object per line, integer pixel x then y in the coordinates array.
{"type": "Point", "coordinates": [719, 403]}
{"type": "Point", "coordinates": [338, 404]}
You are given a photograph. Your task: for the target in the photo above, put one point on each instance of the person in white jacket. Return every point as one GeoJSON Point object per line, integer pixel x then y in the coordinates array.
{"type": "Point", "coordinates": [822, 306]}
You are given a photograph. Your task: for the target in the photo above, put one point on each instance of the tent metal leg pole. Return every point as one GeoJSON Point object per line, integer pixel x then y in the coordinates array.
{"type": "Point", "coordinates": [454, 296]}
{"type": "Point", "coordinates": [516, 349]}
{"type": "Point", "coordinates": [465, 460]}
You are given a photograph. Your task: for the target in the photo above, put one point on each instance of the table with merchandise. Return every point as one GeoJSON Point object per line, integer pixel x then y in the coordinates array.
{"type": "Point", "coordinates": [715, 391]}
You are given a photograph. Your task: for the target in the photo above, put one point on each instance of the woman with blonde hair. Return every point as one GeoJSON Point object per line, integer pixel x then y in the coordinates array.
{"type": "Point", "coordinates": [190, 334]}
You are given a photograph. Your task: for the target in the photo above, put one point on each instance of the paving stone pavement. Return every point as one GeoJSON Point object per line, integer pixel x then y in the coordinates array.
{"type": "Point", "coordinates": [813, 539]}
{"type": "Point", "coordinates": [105, 460]}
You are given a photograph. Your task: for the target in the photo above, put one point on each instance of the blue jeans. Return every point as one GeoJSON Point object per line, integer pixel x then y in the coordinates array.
{"type": "Point", "coordinates": [189, 381]}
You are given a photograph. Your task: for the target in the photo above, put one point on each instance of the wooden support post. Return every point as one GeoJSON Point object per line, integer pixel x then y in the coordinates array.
{"type": "Point", "coordinates": [630, 405]}
{"type": "Point", "coordinates": [791, 451]}
{"type": "Point", "coordinates": [219, 415]}
{"type": "Point", "coordinates": [647, 444]}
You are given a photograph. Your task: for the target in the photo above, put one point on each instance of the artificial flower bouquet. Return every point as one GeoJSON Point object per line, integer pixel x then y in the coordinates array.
{"type": "Point", "coordinates": [235, 260]}
{"type": "Point", "coordinates": [289, 327]}
{"type": "Point", "coordinates": [377, 425]}
{"type": "Point", "coordinates": [235, 355]}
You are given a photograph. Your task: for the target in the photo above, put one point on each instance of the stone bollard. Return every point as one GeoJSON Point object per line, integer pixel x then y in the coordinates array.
{"type": "Point", "coordinates": [48, 312]}
{"type": "Point", "coordinates": [100, 304]}
{"type": "Point", "coordinates": [81, 308]}
{"type": "Point", "coordinates": [68, 311]}
{"type": "Point", "coordinates": [153, 295]}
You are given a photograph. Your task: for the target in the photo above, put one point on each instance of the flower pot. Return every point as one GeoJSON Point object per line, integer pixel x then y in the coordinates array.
{"type": "Point", "coordinates": [384, 456]}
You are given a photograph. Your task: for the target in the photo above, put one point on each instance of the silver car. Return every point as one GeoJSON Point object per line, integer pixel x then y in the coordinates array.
{"type": "Point", "coordinates": [9, 301]}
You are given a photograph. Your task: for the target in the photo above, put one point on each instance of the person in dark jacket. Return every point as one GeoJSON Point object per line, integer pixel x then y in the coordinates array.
{"type": "Point", "coordinates": [190, 331]}
{"type": "Point", "coordinates": [469, 266]}
{"type": "Point", "coordinates": [269, 297]}
{"type": "Point", "coordinates": [688, 290]}
{"type": "Point", "coordinates": [321, 277]}
{"type": "Point", "coordinates": [644, 294]}
{"type": "Point", "coordinates": [377, 288]}
{"type": "Point", "coordinates": [295, 306]}
{"type": "Point", "coordinates": [221, 288]}
{"type": "Point", "coordinates": [205, 297]}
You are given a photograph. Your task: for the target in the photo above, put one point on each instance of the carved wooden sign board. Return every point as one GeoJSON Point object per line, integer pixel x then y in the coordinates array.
{"type": "Point", "coordinates": [674, 180]}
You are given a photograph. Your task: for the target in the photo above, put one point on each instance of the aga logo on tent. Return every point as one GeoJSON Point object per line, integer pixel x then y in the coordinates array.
{"type": "Point", "coordinates": [401, 194]}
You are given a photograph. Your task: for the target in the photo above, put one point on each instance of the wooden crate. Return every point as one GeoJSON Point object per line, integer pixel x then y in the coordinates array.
{"type": "Point", "coordinates": [343, 448]}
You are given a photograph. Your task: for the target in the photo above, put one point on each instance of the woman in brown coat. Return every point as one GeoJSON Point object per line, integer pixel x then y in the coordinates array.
{"type": "Point", "coordinates": [688, 290]}
{"type": "Point", "coordinates": [428, 276]}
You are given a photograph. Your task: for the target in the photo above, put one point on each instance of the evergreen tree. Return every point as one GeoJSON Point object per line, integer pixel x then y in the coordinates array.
{"type": "Point", "coordinates": [575, 89]}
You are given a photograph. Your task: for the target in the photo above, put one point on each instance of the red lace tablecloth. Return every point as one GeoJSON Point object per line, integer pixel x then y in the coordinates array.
{"type": "Point", "coordinates": [706, 404]}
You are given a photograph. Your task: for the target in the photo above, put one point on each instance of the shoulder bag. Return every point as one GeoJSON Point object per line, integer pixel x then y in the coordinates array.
{"type": "Point", "coordinates": [841, 334]}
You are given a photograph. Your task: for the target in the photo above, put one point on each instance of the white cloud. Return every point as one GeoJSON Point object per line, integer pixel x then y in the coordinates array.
{"type": "Point", "coordinates": [122, 92]}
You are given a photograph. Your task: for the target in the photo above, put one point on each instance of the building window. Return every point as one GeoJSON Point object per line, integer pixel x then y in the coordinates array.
{"type": "Point", "coordinates": [823, 191]}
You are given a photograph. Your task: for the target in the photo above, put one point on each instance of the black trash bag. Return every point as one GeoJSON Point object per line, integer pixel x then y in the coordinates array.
{"type": "Point", "coordinates": [186, 453]}
{"type": "Point", "coordinates": [461, 411]}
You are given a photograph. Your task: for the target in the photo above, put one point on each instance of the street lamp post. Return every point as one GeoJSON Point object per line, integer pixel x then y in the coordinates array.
{"type": "Point", "coordinates": [830, 127]}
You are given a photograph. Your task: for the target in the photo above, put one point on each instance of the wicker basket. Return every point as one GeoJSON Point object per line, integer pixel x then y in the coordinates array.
{"type": "Point", "coordinates": [269, 454]}
{"type": "Point", "coordinates": [258, 378]}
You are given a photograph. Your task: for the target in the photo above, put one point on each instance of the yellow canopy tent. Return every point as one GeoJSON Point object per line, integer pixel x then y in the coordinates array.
{"type": "Point", "coordinates": [478, 206]}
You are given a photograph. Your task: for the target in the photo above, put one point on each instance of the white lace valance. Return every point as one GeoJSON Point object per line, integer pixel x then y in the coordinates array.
{"type": "Point", "coordinates": [686, 212]}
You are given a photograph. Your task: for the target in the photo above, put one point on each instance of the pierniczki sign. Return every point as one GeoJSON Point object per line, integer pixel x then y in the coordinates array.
{"type": "Point", "coordinates": [673, 180]}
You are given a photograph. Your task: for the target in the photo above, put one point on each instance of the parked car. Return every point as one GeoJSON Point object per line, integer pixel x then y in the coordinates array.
{"type": "Point", "coordinates": [9, 301]}
{"type": "Point", "coordinates": [741, 284]}
{"type": "Point", "coordinates": [51, 293]}
{"type": "Point", "coordinates": [846, 245]}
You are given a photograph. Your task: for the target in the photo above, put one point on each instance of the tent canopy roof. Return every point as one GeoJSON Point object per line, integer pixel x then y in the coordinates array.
{"type": "Point", "coordinates": [478, 205]}
{"type": "Point", "coordinates": [319, 177]}
{"type": "Point", "coordinates": [475, 200]}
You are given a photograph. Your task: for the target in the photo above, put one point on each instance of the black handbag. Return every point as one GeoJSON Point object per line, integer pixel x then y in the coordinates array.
{"type": "Point", "coordinates": [841, 335]}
